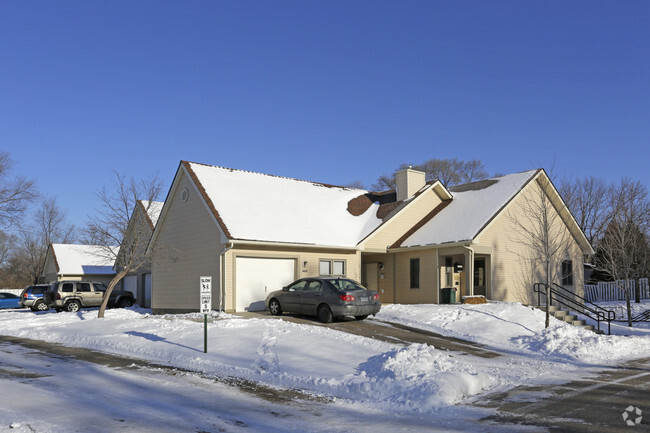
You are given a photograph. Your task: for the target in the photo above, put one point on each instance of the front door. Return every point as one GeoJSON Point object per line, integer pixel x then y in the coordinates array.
{"type": "Point", "coordinates": [372, 274]}
{"type": "Point", "coordinates": [479, 277]}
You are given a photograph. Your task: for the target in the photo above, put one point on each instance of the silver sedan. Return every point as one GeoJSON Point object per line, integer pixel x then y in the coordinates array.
{"type": "Point", "coordinates": [325, 298]}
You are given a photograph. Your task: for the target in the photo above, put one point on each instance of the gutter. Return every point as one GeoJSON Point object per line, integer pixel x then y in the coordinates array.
{"type": "Point", "coordinates": [289, 244]}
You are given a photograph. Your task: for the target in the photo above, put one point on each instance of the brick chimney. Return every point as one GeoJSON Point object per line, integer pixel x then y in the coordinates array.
{"type": "Point", "coordinates": [408, 182]}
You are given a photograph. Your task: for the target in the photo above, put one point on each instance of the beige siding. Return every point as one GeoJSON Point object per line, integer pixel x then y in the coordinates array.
{"type": "Point", "coordinates": [138, 234]}
{"type": "Point", "coordinates": [427, 293]}
{"type": "Point", "coordinates": [384, 277]}
{"type": "Point", "coordinates": [392, 230]}
{"type": "Point", "coordinates": [512, 275]}
{"type": "Point", "coordinates": [49, 273]}
{"type": "Point", "coordinates": [311, 269]}
{"type": "Point", "coordinates": [188, 246]}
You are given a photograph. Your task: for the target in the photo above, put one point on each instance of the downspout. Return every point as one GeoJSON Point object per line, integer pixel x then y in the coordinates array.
{"type": "Point", "coordinates": [222, 295]}
{"type": "Point", "coordinates": [470, 270]}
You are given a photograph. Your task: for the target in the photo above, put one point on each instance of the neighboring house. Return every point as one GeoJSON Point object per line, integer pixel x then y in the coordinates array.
{"type": "Point", "coordinates": [254, 233]}
{"type": "Point", "coordinates": [77, 262]}
{"type": "Point", "coordinates": [138, 234]}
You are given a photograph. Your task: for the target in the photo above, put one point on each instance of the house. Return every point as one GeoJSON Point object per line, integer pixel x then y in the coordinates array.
{"type": "Point", "coordinates": [78, 262]}
{"type": "Point", "coordinates": [254, 233]}
{"type": "Point", "coordinates": [138, 234]}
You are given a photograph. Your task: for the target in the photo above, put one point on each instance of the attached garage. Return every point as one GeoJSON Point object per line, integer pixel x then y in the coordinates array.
{"type": "Point", "coordinates": [256, 277]}
{"type": "Point", "coordinates": [131, 284]}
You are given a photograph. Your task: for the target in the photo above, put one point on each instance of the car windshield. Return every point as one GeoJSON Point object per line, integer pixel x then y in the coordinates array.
{"type": "Point", "coordinates": [345, 285]}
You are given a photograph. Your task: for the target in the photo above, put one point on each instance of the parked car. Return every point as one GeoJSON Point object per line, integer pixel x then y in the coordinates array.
{"type": "Point", "coordinates": [32, 297]}
{"type": "Point", "coordinates": [74, 295]}
{"type": "Point", "coordinates": [326, 298]}
{"type": "Point", "coordinates": [9, 300]}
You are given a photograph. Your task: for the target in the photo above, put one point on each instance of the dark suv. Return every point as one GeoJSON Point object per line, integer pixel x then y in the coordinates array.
{"type": "Point", "coordinates": [73, 295]}
{"type": "Point", "coordinates": [32, 297]}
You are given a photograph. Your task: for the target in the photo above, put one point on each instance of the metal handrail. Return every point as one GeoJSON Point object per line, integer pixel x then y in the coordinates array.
{"type": "Point", "coordinates": [568, 299]}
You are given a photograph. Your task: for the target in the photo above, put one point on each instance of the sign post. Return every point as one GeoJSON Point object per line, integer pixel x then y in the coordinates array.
{"type": "Point", "coordinates": [205, 295]}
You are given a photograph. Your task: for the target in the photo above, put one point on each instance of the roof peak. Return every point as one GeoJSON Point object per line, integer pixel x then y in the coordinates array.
{"type": "Point", "coordinates": [327, 185]}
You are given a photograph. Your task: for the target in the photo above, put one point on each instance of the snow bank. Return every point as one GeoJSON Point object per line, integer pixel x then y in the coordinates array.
{"type": "Point", "coordinates": [389, 377]}
{"type": "Point", "coordinates": [520, 329]}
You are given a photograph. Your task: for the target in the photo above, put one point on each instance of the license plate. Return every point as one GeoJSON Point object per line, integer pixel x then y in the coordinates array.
{"type": "Point", "coordinates": [363, 298]}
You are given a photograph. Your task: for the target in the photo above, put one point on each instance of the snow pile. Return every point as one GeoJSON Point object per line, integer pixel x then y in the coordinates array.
{"type": "Point", "coordinates": [418, 377]}
{"type": "Point", "coordinates": [389, 377]}
{"type": "Point", "coordinates": [520, 329]}
{"type": "Point", "coordinates": [576, 344]}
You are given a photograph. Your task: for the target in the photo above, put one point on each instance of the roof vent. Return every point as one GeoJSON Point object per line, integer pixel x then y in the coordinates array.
{"type": "Point", "coordinates": [409, 182]}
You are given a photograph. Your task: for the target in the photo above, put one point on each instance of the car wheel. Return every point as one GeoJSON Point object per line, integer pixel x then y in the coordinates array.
{"type": "Point", "coordinates": [325, 314]}
{"type": "Point", "coordinates": [72, 306]}
{"type": "Point", "coordinates": [365, 316]}
{"type": "Point", "coordinates": [274, 307]}
{"type": "Point", "coordinates": [40, 306]}
{"type": "Point", "coordinates": [33, 308]}
{"type": "Point", "coordinates": [124, 303]}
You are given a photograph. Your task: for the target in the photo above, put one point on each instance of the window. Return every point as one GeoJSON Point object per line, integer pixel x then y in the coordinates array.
{"type": "Point", "coordinates": [325, 267]}
{"type": "Point", "coordinates": [83, 287]}
{"type": "Point", "coordinates": [415, 273]}
{"type": "Point", "coordinates": [332, 267]}
{"type": "Point", "coordinates": [339, 267]}
{"type": "Point", "coordinates": [299, 286]}
{"type": "Point", "coordinates": [314, 286]}
{"type": "Point", "coordinates": [67, 287]}
{"type": "Point", "coordinates": [567, 273]}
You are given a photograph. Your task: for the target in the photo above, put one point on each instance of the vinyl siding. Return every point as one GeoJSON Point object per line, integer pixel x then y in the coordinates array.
{"type": "Point", "coordinates": [188, 246]}
{"type": "Point", "coordinates": [512, 276]}
{"type": "Point", "coordinates": [399, 224]}
{"type": "Point", "coordinates": [428, 291]}
{"type": "Point", "coordinates": [312, 257]}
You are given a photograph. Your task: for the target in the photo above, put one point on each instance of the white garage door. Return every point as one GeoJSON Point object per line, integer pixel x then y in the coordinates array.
{"type": "Point", "coordinates": [131, 284]}
{"type": "Point", "coordinates": [257, 277]}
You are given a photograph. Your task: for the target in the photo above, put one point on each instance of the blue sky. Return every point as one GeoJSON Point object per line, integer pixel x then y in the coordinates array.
{"type": "Point", "coordinates": [330, 91]}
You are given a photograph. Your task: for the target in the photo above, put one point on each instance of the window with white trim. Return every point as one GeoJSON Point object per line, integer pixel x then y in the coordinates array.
{"type": "Point", "coordinates": [331, 267]}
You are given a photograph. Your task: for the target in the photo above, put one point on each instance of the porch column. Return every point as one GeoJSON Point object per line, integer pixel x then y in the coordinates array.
{"type": "Point", "coordinates": [469, 271]}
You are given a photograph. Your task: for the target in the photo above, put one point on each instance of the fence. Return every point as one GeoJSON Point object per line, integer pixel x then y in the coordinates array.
{"type": "Point", "coordinates": [612, 290]}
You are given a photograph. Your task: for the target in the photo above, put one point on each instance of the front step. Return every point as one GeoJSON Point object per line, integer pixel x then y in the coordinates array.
{"type": "Point", "coordinates": [571, 319]}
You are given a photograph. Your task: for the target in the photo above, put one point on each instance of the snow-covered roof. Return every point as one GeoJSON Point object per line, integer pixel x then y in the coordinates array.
{"type": "Point", "coordinates": [153, 210]}
{"type": "Point", "coordinates": [261, 207]}
{"type": "Point", "coordinates": [72, 259]}
{"type": "Point", "coordinates": [472, 207]}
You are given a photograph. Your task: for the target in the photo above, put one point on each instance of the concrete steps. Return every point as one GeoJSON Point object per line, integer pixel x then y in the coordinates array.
{"type": "Point", "coordinates": [567, 317]}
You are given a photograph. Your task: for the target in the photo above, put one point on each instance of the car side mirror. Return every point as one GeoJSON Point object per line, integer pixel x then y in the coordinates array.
{"type": "Point", "coordinates": [285, 289]}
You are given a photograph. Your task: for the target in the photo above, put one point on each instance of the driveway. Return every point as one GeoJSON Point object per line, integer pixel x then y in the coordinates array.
{"type": "Point", "coordinates": [386, 331]}
{"type": "Point", "coordinates": [592, 405]}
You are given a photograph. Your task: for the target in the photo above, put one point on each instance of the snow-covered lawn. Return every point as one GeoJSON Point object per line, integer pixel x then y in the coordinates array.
{"type": "Point", "coordinates": [361, 371]}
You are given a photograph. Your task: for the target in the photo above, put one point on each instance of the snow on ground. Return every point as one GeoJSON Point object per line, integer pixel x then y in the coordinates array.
{"type": "Point", "coordinates": [379, 376]}
{"type": "Point", "coordinates": [519, 329]}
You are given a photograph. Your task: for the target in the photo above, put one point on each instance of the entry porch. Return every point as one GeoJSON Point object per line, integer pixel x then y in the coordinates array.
{"type": "Point", "coordinates": [417, 275]}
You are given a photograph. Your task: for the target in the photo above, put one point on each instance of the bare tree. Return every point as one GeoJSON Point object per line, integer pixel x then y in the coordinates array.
{"type": "Point", "coordinates": [109, 226]}
{"type": "Point", "coordinates": [15, 192]}
{"type": "Point", "coordinates": [540, 232]}
{"type": "Point", "coordinates": [588, 200]}
{"type": "Point", "coordinates": [448, 171]}
{"type": "Point", "coordinates": [623, 249]}
{"type": "Point", "coordinates": [49, 226]}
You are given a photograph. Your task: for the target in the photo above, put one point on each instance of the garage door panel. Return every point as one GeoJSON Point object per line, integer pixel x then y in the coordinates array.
{"type": "Point", "coordinates": [131, 284]}
{"type": "Point", "coordinates": [256, 277]}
